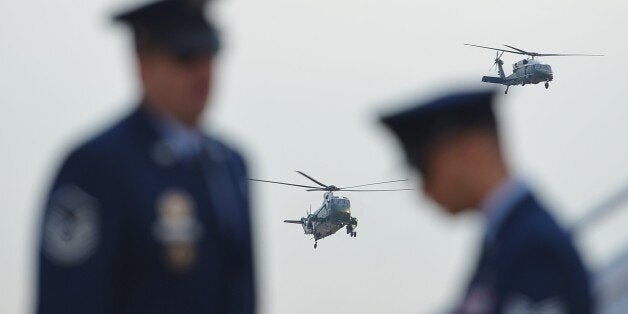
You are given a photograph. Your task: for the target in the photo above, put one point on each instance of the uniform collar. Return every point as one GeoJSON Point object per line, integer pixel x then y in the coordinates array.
{"type": "Point", "coordinates": [174, 138]}
{"type": "Point", "coordinates": [500, 203]}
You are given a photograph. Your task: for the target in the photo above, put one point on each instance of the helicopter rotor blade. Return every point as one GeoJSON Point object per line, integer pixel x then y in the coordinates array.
{"type": "Point", "coordinates": [314, 180]}
{"type": "Point", "coordinates": [376, 183]}
{"type": "Point", "coordinates": [520, 50]}
{"type": "Point", "coordinates": [536, 54]}
{"type": "Point", "coordinates": [566, 55]}
{"type": "Point", "coordinates": [391, 190]}
{"type": "Point", "coordinates": [503, 50]}
{"type": "Point", "coordinates": [284, 183]}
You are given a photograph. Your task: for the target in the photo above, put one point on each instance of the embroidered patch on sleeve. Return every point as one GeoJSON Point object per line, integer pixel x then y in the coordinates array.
{"type": "Point", "coordinates": [71, 226]}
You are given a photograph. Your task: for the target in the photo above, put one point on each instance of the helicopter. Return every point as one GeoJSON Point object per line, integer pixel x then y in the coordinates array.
{"type": "Point", "coordinates": [526, 71]}
{"type": "Point", "coordinates": [335, 211]}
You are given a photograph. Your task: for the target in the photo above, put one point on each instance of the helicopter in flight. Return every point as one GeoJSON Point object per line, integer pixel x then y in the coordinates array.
{"type": "Point", "coordinates": [526, 71]}
{"type": "Point", "coordinates": [335, 211]}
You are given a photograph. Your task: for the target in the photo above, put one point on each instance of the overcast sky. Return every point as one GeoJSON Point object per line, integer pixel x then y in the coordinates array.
{"type": "Point", "coordinates": [300, 85]}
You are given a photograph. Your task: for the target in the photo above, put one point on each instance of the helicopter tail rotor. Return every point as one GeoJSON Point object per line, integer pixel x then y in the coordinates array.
{"type": "Point", "coordinates": [495, 62]}
{"type": "Point", "coordinates": [498, 60]}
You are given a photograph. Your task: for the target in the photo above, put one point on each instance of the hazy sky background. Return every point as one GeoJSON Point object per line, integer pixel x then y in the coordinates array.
{"type": "Point", "coordinates": [299, 87]}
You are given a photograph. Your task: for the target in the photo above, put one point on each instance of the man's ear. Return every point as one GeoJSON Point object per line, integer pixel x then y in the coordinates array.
{"type": "Point", "coordinates": [144, 59]}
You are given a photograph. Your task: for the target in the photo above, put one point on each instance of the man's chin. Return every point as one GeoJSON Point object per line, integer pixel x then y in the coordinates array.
{"type": "Point", "coordinates": [454, 210]}
{"type": "Point", "coordinates": [196, 111]}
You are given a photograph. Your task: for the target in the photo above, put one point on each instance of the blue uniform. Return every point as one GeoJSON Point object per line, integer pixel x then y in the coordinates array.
{"type": "Point", "coordinates": [529, 265]}
{"type": "Point", "coordinates": [132, 226]}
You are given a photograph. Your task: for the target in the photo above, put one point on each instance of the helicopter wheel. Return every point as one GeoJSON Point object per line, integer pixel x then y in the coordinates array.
{"type": "Point", "coordinates": [315, 244]}
{"type": "Point", "coordinates": [546, 85]}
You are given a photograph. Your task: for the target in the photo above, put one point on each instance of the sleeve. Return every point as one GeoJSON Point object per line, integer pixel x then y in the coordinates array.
{"type": "Point", "coordinates": [79, 240]}
{"type": "Point", "coordinates": [242, 290]}
{"type": "Point", "coordinates": [540, 279]}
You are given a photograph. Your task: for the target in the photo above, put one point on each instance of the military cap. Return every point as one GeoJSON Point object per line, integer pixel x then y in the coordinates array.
{"type": "Point", "coordinates": [179, 26]}
{"type": "Point", "coordinates": [425, 122]}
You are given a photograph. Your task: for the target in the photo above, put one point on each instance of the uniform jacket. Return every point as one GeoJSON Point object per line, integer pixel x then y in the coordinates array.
{"type": "Point", "coordinates": [530, 267]}
{"type": "Point", "coordinates": [130, 228]}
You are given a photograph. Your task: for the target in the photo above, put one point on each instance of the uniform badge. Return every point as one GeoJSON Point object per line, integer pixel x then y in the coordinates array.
{"type": "Point", "coordinates": [71, 226]}
{"type": "Point", "coordinates": [177, 229]}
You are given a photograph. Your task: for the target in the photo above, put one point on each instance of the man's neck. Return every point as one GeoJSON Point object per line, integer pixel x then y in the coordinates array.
{"type": "Point", "coordinates": [161, 112]}
{"type": "Point", "coordinates": [500, 203]}
{"type": "Point", "coordinates": [490, 182]}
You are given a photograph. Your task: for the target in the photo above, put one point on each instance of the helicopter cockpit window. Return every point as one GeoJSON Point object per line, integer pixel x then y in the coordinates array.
{"type": "Point", "coordinates": [340, 202]}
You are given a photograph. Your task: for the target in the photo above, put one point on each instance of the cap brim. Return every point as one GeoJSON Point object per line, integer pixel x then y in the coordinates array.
{"type": "Point", "coordinates": [202, 42]}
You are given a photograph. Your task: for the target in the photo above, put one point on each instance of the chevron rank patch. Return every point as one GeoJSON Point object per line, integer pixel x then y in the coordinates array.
{"type": "Point", "coordinates": [71, 226]}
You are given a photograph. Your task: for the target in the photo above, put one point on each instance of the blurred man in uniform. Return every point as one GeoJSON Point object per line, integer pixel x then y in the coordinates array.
{"type": "Point", "coordinates": [151, 215]}
{"type": "Point", "coordinates": [527, 264]}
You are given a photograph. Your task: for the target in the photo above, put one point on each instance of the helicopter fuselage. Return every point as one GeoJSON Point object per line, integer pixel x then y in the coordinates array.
{"type": "Point", "coordinates": [530, 71]}
{"type": "Point", "coordinates": [334, 214]}
{"type": "Point", "coordinates": [526, 71]}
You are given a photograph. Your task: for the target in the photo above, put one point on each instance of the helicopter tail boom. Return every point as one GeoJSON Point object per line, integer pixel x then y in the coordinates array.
{"type": "Point", "coordinates": [493, 79]}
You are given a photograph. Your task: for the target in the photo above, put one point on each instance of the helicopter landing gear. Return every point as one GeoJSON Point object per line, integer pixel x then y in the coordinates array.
{"type": "Point", "coordinates": [351, 233]}
{"type": "Point", "coordinates": [546, 85]}
{"type": "Point", "coordinates": [315, 244]}
{"type": "Point", "coordinates": [507, 87]}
